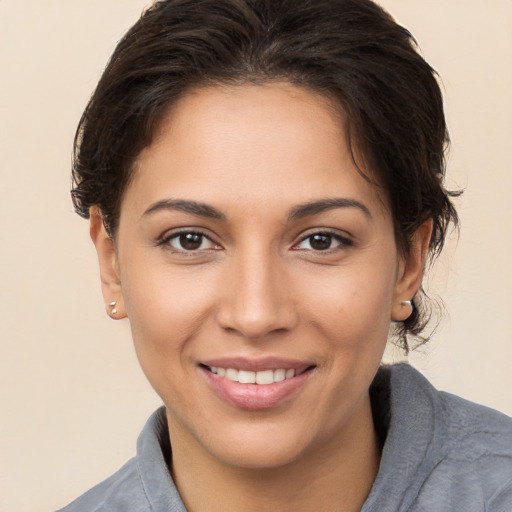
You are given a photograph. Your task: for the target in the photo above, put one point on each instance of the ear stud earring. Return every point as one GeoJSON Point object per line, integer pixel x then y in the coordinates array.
{"type": "Point", "coordinates": [113, 306]}
{"type": "Point", "coordinates": [407, 303]}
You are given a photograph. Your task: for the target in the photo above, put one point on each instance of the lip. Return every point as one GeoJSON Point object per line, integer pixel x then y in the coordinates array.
{"type": "Point", "coordinates": [257, 365]}
{"type": "Point", "coordinates": [253, 396]}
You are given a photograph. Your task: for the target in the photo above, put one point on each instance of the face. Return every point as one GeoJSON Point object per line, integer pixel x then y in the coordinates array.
{"type": "Point", "coordinates": [259, 273]}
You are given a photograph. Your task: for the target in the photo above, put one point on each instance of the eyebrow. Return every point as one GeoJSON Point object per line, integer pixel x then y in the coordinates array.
{"type": "Point", "coordinates": [181, 205]}
{"type": "Point", "coordinates": [322, 205]}
{"type": "Point", "coordinates": [298, 212]}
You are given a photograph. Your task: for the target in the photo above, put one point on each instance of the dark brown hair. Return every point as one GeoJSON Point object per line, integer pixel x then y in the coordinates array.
{"type": "Point", "coordinates": [350, 50]}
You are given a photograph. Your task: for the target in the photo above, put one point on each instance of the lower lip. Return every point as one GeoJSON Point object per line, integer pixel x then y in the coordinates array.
{"type": "Point", "coordinates": [255, 396]}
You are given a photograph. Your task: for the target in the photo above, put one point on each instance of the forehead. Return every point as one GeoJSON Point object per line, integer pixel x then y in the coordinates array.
{"type": "Point", "coordinates": [254, 143]}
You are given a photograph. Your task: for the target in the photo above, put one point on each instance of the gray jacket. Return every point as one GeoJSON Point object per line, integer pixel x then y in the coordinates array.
{"type": "Point", "coordinates": [441, 454]}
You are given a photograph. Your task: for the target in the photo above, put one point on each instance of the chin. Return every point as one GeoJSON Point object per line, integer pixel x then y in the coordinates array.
{"type": "Point", "coordinates": [263, 454]}
{"type": "Point", "coordinates": [257, 442]}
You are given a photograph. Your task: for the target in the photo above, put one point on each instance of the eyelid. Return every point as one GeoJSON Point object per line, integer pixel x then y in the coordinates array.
{"type": "Point", "coordinates": [344, 239]}
{"type": "Point", "coordinates": [172, 234]}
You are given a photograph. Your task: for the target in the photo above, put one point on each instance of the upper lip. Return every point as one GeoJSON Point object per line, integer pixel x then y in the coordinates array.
{"type": "Point", "coordinates": [256, 365]}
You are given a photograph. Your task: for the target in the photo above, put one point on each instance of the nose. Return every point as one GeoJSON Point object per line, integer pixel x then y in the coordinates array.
{"type": "Point", "coordinates": [257, 298]}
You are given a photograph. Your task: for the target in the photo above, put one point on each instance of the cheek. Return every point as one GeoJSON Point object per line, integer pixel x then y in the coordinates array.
{"type": "Point", "coordinates": [163, 320]}
{"type": "Point", "coordinates": [353, 307]}
{"type": "Point", "coordinates": [166, 310]}
{"type": "Point", "coordinates": [159, 295]}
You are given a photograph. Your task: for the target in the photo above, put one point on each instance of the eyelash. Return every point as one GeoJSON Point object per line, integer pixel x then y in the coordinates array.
{"type": "Point", "coordinates": [165, 241]}
{"type": "Point", "coordinates": [343, 241]}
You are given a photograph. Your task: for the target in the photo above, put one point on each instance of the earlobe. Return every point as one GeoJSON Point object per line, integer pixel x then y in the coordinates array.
{"type": "Point", "coordinates": [109, 271]}
{"type": "Point", "coordinates": [411, 273]}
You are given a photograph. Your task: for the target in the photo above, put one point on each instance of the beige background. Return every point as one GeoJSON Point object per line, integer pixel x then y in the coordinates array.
{"type": "Point", "coordinates": [72, 397]}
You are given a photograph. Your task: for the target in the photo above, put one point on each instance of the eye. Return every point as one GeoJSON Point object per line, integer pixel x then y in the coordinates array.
{"type": "Point", "coordinates": [189, 241]}
{"type": "Point", "coordinates": [322, 242]}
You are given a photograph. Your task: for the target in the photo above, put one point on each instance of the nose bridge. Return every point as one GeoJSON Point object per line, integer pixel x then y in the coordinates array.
{"type": "Point", "coordinates": [257, 300]}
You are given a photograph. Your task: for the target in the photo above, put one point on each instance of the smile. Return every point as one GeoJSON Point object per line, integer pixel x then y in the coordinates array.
{"type": "Point", "coordinates": [263, 377]}
{"type": "Point", "coordinates": [256, 385]}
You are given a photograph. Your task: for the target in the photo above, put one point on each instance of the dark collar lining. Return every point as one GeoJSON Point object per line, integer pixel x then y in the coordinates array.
{"type": "Point", "coordinates": [380, 399]}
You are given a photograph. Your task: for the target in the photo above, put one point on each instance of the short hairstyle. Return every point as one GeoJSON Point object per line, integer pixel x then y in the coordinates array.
{"type": "Point", "coordinates": [349, 50]}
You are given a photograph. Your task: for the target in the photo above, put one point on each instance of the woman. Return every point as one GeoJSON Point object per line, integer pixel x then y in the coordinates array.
{"type": "Point", "coordinates": [264, 185]}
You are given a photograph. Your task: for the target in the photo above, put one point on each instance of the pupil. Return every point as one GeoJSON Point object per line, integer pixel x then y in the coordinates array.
{"type": "Point", "coordinates": [320, 242]}
{"type": "Point", "coordinates": [191, 241]}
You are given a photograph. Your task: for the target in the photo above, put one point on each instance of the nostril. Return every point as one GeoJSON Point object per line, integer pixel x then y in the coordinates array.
{"type": "Point", "coordinates": [256, 325]}
{"type": "Point", "coordinates": [256, 305]}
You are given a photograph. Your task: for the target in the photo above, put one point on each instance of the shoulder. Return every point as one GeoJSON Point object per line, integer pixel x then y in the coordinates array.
{"type": "Point", "coordinates": [462, 423]}
{"type": "Point", "coordinates": [469, 446]}
{"type": "Point", "coordinates": [484, 431]}
{"type": "Point", "coordinates": [478, 445]}
{"type": "Point", "coordinates": [463, 430]}
{"type": "Point", "coordinates": [143, 484]}
{"type": "Point", "coordinates": [120, 492]}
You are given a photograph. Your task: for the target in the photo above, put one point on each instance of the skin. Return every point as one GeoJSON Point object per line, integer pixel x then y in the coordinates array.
{"type": "Point", "coordinates": [258, 286]}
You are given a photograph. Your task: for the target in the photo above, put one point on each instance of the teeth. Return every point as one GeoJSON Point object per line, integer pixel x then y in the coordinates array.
{"type": "Point", "coordinates": [279, 375]}
{"type": "Point", "coordinates": [247, 377]}
{"type": "Point", "coordinates": [232, 374]}
{"type": "Point", "coordinates": [264, 377]}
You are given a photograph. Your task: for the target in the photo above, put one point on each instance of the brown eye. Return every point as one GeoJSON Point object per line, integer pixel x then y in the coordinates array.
{"type": "Point", "coordinates": [320, 242]}
{"type": "Point", "coordinates": [323, 242]}
{"type": "Point", "coordinates": [190, 241]}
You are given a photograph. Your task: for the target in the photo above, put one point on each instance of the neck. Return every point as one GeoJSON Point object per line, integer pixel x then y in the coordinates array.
{"type": "Point", "coordinates": [336, 476]}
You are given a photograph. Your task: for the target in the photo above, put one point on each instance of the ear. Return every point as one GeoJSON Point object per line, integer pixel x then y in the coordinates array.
{"type": "Point", "coordinates": [410, 272]}
{"type": "Point", "coordinates": [109, 270]}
